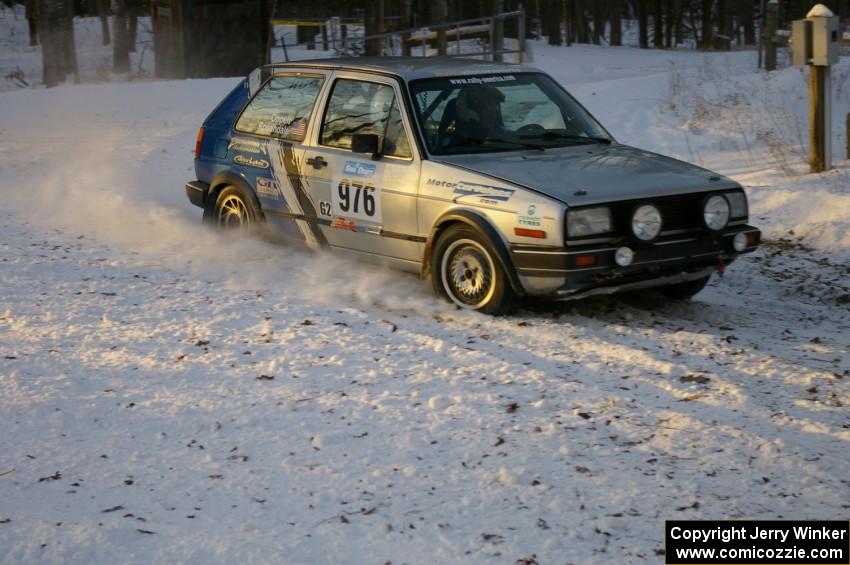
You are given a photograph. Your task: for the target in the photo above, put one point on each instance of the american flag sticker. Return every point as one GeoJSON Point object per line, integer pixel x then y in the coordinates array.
{"type": "Point", "coordinates": [298, 128]}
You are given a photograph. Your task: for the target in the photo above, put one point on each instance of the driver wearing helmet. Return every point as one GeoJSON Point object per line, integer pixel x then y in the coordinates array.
{"type": "Point", "coordinates": [479, 112]}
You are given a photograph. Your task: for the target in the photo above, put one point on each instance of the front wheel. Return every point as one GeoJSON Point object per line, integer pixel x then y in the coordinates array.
{"type": "Point", "coordinates": [465, 269]}
{"type": "Point", "coordinates": [684, 290]}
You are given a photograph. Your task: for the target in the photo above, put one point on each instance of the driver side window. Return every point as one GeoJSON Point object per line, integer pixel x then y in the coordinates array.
{"type": "Point", "coordinates": [364, 107]}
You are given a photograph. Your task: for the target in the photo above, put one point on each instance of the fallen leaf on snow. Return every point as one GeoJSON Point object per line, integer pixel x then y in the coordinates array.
{"type": "Point", "coordinates": [700, 379]}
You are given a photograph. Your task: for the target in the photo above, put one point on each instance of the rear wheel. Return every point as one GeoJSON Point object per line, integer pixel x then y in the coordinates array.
{"type": "Point", "coordinates": [684, 290]}
{"type": "Point", "coordinates": [465, 269]}
{"type": "Point", "coordinates": [233, 211]}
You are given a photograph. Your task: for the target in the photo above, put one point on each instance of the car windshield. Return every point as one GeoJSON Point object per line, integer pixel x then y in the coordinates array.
{"type": "Point", "coordinates": [500, 112]}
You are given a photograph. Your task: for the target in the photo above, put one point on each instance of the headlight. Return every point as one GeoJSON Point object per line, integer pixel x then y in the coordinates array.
{"type": "Point", "coordinates": [738, 204]}
{"type": "Point", "coordinates": [646, 222]}
{"type": "Point", "coordinates": [588, 221]}
{"type": "Point", "coordinates": [716, 212]}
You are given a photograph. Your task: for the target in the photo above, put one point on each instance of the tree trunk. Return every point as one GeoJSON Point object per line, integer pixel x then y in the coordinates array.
{"type": "Point", "coordinates": [580, 22]}
{"type": "Point", "coordinates": [670, 17]}
{"type": "Point", "coordinates": [133, 24]}
{"type": "Point", "coordinates": [31, 14]}
{"type": "Point", "coordinates": [657, 25]}
{"type": "Point", "coordinates": [120, 38]}
{"type": "Point", "coordinates": [678, 28]}
{"type": "Point", "coordinates": [615, 14]}
{"type": "Point", "coordinates": [103, 14]}
{"type": "Point", "coordinates": [707, 37]}
{"type": "Point", "coordinates": [55, 27]}
{"type": "Point", "coordinates": [553, 21]}
{"type": "Point", "coordinates": [373, 16]}
{"type": "Point", "coordinates": [643, 30]}
{"type": "Point", "coordinates": [747, 19]}
{"type": "Point", "coordinates": [598, 21]}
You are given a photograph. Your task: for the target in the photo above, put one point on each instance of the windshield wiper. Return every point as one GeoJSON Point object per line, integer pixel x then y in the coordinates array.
{"type": "Point", "coordinates": [559, 135]}
{"type": "Point", "coordinates": [479, 141]}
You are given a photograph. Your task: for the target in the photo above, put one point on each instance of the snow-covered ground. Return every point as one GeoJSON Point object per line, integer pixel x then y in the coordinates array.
{"type": "Point", "coordinates": [169, 395]}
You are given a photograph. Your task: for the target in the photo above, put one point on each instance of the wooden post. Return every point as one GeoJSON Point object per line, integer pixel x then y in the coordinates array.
{"type": "Point", "coordinates": [818, 79]}
{"type": "Point", "coordinates": [771, 21]}
{"type": "Point", "coordinates": [442, 9]}
{"type": "Point", "coordinates": [498, 31]}
{"type": "Point", "coordinates": [407, 23]}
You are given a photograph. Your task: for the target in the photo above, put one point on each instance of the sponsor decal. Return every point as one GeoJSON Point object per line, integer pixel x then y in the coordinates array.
{"type": "Point", "coordinates": [284, 125]}
{"type": "Point", "coordinates": [344, 224]}
{"type": "Point", "coordinates": [358, 169]}
{"type": "Point", "coordinates": [350, 225]}
{"type": "Point", "coordinates": [298, 129]}
{"type": "Point", "coordinates": [483, 80]}
{"type": "Point", "coordinates": [247, 146]}
{"type": "Point", "coordinates": [356, 198]}
{"type": "Point", "coordinates": [267, 188]}
{"type": "Point", "coordinates": [251, 162]}
{"type": "Point", "coordinates": [464, 188]}
{"type": "Point", "coordinates": [529, 219]}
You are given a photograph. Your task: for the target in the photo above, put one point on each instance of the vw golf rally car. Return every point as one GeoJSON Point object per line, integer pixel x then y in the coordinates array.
{"type": "Point", "coordinates": [489, 179]}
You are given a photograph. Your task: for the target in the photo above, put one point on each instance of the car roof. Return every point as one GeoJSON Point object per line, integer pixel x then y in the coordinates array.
{"type": "Point", "coordinates": [409, 68]}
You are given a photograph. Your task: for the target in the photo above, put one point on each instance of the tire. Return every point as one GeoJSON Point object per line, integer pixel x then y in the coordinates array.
{"type": "Point", "coordinates": [684, 290]}
{"type": "Point", "coordinates": [233, 211]}
{"type": "Point", "coordinates": [465, 269]}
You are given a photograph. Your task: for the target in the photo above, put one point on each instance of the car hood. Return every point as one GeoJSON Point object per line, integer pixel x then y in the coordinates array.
{"type": "Point", "coordinates": [592, 174]}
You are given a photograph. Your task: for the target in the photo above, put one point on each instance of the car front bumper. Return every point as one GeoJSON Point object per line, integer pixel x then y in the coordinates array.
{"type": "Point", "coordinates": [575, 271]}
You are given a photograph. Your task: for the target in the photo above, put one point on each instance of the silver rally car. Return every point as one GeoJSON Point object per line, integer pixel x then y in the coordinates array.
{"type": "Point", "coordinates": [491, 180]}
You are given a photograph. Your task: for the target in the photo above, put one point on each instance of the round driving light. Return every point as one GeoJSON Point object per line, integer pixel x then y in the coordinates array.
{"type": "Point", "coordinates": [624, 256]}
{"type": "Point", "coordinates": [716, 212]}
{"type": "Point", "coordinates": [646, 222]}
{"type": "Point", "coordinates": [740, 242]}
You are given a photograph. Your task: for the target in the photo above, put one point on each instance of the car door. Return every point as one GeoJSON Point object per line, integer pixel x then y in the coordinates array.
{"type": "Point", "coordinates": [368, 205]}
{"type": "Point", "coordinates": [267, 148]}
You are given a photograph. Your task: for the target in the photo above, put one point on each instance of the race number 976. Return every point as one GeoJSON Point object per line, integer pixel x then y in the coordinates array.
{"type": "Point", "coordinates": [357, 199]}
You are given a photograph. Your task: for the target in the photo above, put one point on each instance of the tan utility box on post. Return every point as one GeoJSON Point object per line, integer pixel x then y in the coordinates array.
{"type": "Point", "coordinates": [814, 43]}
{"type": "Point", "coordinates": [801, 42]}
{"type": "Point", "coordinates": [825, 40]}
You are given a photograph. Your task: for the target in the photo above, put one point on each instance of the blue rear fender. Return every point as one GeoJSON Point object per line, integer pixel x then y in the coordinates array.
{"type": "Point", "coordinates": [218, 128]}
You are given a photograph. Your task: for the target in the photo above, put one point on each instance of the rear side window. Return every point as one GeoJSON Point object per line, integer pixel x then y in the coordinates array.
{"type": "Point", "coordinates": [282, 108]}
{"type": "Point", "coordinates": [364, 107]}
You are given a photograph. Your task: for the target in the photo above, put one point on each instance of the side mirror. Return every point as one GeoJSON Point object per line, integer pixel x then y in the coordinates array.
{"type": "Point", "coordinates": [366, 143]}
